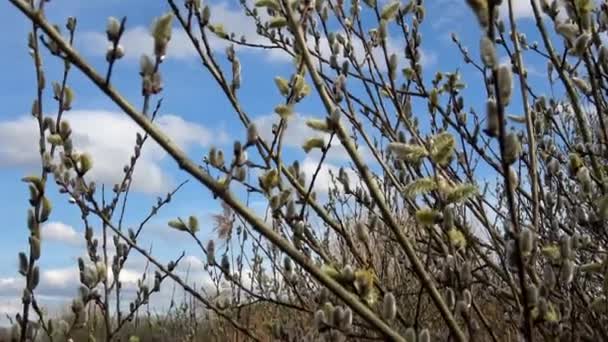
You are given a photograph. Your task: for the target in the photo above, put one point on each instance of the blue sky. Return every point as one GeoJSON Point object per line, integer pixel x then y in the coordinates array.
{"type": "Point", "coordinates": [194, 113]}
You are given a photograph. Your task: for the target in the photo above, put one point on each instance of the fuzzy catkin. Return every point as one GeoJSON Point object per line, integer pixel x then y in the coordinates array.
{"type": "Point", "coordinates": [410, 335]}
{"type": "Point", "coordinates": [567, 272]}
{"type": "Point", "coordinates": [488, 52]}
{"type": "Point", "coordinates": [319, 319]}
{"type": "Point", "coordinates": [505, 83]}
{"type": "Point", "coordinates": [112, 29]}
{"type": "Point", "coordinates": [424, 336]}
{"type": "Point", "coordinates": [389, 306]}
{"type": "Point", "coordinates": [549, 279]}
{"type": "Point", "coordinates": [492, 122]}
{"type": "Point", "coordinates": [512, 148]}
{"type": "Point", "coordinates": [480, 8]}
{"type": "Point", "coordinates": [526, 242]}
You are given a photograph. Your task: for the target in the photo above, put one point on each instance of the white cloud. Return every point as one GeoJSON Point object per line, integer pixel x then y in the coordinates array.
{"type": "Point", "coordinates": [191, 262]}
{"type": "Point", "coordinates": [109, 137]}
{"type": "Point", "coordinates": [60, 277]}
{"type": "Point", "coordinates": [10, 284]}
{"type": "Point", "coordinates": [9, 306]}
{"type": "Point", "coordinates": [61, 232]}
{"type": "Point", "coordinates": [452, 12]}
{"type": "Point", "coordinates": [52, 281]}
{"type": "Point", "coordinates": [235, 21]}
{"type": "Point", "coordinates": [323, 180]}
{"type": "Point", "coordinates": [394, 45]}
{"type": "Point", "coordinates": [128, 277]}
{"type": "Point", "coordinates": [521, 9]}
{"type": "Point", "coordinates": [137, 40]}
{"type": "Point", "coordinates": [58, 286]}
{"type": "Point", "coordinates": [68, 278]}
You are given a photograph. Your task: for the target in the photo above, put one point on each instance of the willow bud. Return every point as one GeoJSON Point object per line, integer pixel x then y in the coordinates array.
{"type": "Point", "coordinates": [252, 134]}
{"type": "Point", "coordinates": [512, 148]}
{"type": "Point", "coordinates": [424, 336]}
{"type": "Point", "coordinates": [505, 83]}
{"type": "Point", "coordinates": [488, 52]}
{"type": "Point", "coordinates": [113, 29]}
{"type": "Point", "coordinates": [320, 320]}
{"type": "Point", "coordinates": [549, 279]}
{"type": "Point", "coordinates": [361, 232]}
{"type": "Point", "coordinates": [210, 252]}
{"type": "Point", "coordinates": [492, 122]}
{"type": "Point", "coordinates": [389, 307]}
{"type": "Point", "coordinates": [566, 274]}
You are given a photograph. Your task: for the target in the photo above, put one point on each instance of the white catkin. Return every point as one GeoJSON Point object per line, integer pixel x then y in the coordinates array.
{"type": "Point", "coordinates": [320, 319]}
{"type": "Point", "coordinates": [512, 148]}
{"type": "Point", "coordinates": [581, 43]}
{"type": "Point", "coordinates": [505, 83]}
{"type": "Point", "coordinates": [389, 307]}
{"type": "Point", "coordinates": [424, 336]}
{"type": "Point", "coordinates": [567, 272]}
{"type": "Point", "coordinates": [348, 318]}
{"type": "Point", "coordinates": [526, 242]}
{"type": "Point", "coordinates": [410, 335]}
{"type": "Point", "coordinates": [582, 85]}
{"type": "Point", "coordinates": [488, 52]}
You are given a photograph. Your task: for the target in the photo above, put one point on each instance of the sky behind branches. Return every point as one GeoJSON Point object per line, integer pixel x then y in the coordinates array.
{"type": "Point", "coordinates": [194, 113]}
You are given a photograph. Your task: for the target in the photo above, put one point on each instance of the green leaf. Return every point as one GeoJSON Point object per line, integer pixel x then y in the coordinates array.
{"type": "Point", "coordinates": [219, 31]}
{"type": "Point", "coordinates": [268, 3]}
{"type": "Point", "coordinates": [86, 163]}
{"type": "Point", "coordinates": [370, 3]}
{"type": "Point", "coordinates": [277, 22]}
{"type": "Point", "coordinates": [46, 209]}
{"type": "Point", "coordinates": [178, 224]}
{"type": "Point", "coordinates": [193, 224]}
{"type": "Point", "coordinates": [36, 181]}
{"type": "Point", "coordinates": [54, 139]}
